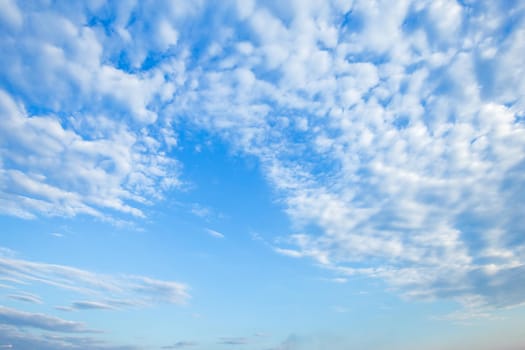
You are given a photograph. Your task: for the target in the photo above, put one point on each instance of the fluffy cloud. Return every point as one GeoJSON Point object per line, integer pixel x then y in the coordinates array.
{"type": "Point", "coordinates": [382, 131]}
{"type": "Point", "coordinates": [75, 135]}
{"type": "Point", "coordinates": [113, 168]}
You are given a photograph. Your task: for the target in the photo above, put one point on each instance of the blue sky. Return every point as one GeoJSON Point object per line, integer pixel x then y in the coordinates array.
{"type": "Point", "coordinates": [272, 175]}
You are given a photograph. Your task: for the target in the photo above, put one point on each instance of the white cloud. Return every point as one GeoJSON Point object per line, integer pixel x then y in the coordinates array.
{"type": "Point", "coordinates": [245, 8]}
{"type": "Point", "coordinates": [167, 35]}
{"type": "Point", "coordinates": [11, 13]}
{"type": "Point", "coordinates": [446, 16]}
{"type": "Point", "coordinates": [110, 291]}
{"type": "Point", "coordinates": [53, 170]}
{"type": "Point", "coordinates": [403, 158]}
{"type": "Point", "coordinates": [214, 233]}
{"type": "Point", "coordinates": [26, 297]}
{"type": "Point", "coordinates": [289, 252]}
{"type": "Point", "coordinates": [91, 305]}
{"type": "Point", "coordinates": [390, 128]}
{"type": "Point", "coordinates": [39, 321]}
{"type": "Point", "coordinates": [87, 147]}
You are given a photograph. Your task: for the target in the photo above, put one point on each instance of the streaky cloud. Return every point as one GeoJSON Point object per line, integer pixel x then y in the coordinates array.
{"type": "Point", "coordinates": [26, 297]}
{"type": "Point", "coordinates": [180, 345]}
{"type": "Point", "coordinates": [125, 290]}
{"type": "Point", "coordinates": [91, 305]}
{"type": "Point", "coordinates": [24, 319]}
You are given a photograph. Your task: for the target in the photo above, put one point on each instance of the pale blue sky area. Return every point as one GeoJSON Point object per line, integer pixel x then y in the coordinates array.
{"type": "Point", "coordinates": [297, 175]}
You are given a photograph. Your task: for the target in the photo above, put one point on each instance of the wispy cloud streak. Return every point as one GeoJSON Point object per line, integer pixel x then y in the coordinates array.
{"type": "Point", "coordinates": [112, 291]}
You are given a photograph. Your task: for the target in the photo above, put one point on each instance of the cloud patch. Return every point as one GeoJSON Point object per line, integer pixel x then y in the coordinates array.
{"type": "Point", "coordinates": [395, 154]}
{"type": "Point", "coordinates": [98, 173]}
{"type": "Point", "coordinates": [21, 319]}
{"type": "Point", "coordinates": [14, 338]}
{"type": "Point", "coordinates": [26, 297]}
{"type": "Point", "coordinates": [91, 305]}
{"type": "Point", "coordinates": [112, 291]}
{"type": "Point", "coordinates": [396, 144]}
{"type": "Point", "coordinates": [180, 345]}
{"type": "Point", "coordinates": [214, 233]}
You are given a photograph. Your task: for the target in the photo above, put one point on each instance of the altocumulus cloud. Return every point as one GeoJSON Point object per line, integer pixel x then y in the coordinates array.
{"type": "Point", "coordinates": [395, 128]}
{"type": "Point", "coordinates": [387, 137]}
{"type": "Point", "coordinates": [97, 174]}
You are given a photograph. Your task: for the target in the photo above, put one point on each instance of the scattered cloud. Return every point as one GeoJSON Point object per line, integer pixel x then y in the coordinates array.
{"type": "Point", "coordinates": [289, 252]}
{"type": "Point", "coordinates": [23, 319]}
{"type": "Point", "coordinates": [16, 338]}
{"type": "Point", "coordinates": [214, 233]}
{"type": "Point", "coordinates": [113, 173]}
{"type": "Point", "coordinates": [233, 340]}
{"type": "Point", "coordinates": [112, 291]}
{"type": "Point", "coordinates": [180, 345]}
{"type": "Point", "coordinates": [26, 297]}
{"type": "Point", "coordinates": [200, 211]}
{"type": "Point", "coordinates": [396, 144]}
{"type": "Point", "coordinates": [394, 158]}
{"type": "Point", "coordinates": [7, 252]}
{"type": "Point", "coordinates": [91, 305]}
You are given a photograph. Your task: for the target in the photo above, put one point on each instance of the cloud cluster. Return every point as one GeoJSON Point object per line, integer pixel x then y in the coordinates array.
{"type": "Point", "coordinates": [53, 170]}
{"type": "Point", "coordinates": [391, 135]}
{"type": "Point", "coordinates": [214, 233]}
{"type": "Point", "coordinates": [392, 132]}
{"type": "Point", "coordinates": [75, 135]}
{"type": "Point", "coordinates": [86, 291]}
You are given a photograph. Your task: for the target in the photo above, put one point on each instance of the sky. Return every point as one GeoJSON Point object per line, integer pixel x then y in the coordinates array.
{"type": "Point", "coordinates": [272, 175]}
